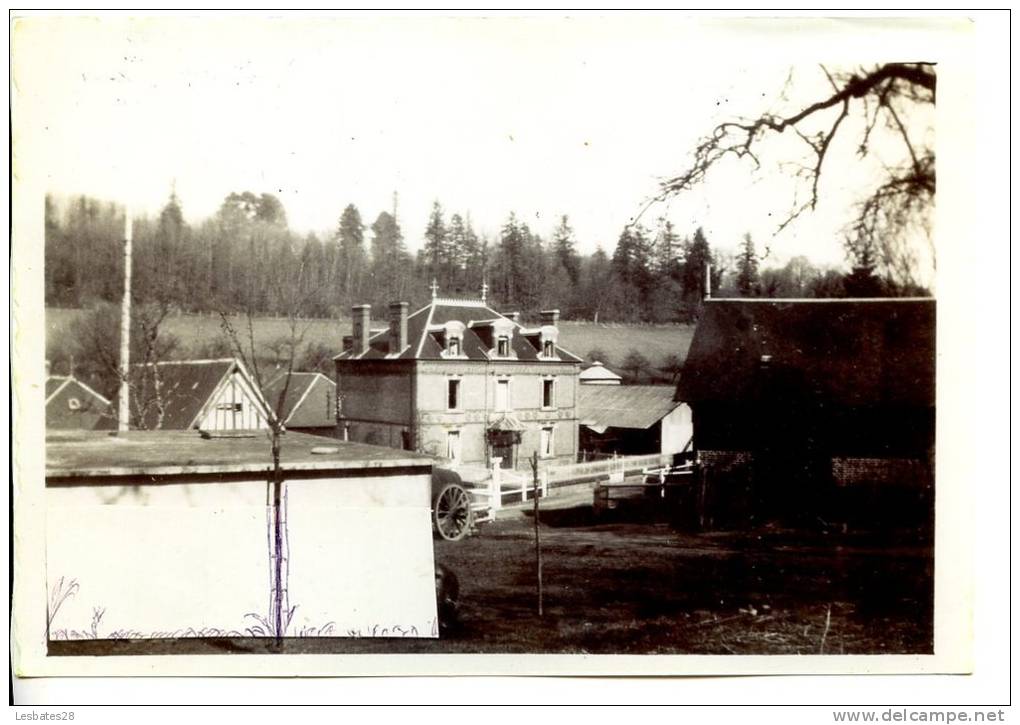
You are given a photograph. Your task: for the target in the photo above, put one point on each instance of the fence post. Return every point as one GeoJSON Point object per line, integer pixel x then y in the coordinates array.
{"type": "Point", "coordinates": [495, 488]}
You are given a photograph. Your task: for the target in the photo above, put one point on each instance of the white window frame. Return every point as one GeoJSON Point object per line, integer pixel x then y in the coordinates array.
{"type": "Point", "coordinates": [509, 405]}
{"type": "Point", "coordinates": [455, 380]}
{"type": "Point", "coordinates": [546, 442]}
{"type": "Point", "coordinates": [454, 435]}
{"type": "Point", "coordinates": [552, 392]}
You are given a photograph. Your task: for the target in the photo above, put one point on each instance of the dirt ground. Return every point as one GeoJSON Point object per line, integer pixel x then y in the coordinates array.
{"type": "Point", "coordinates": [633, 585]}
{"type": "Point", "coordinates": [630, 584]}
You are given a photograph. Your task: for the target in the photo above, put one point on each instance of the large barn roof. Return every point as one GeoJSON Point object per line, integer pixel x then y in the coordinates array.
{"type": "Point", "coordinates": [853, 352]}
{"type": "Point", "coordinates": [424, 338]}
{"type": "Point", "coordinates": [623, 406]}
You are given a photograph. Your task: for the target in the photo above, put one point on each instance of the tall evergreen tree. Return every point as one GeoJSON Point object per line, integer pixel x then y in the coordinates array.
{"type": "Point", "coordinates": [435, 253]}
{"type": "Point", "coordinates": [565, 251]}
{"type": "Point", "coordinates": [390, 260]}
{"type": "Point", "coordinates": [747, 269]}
{"type": "Point", "coordinates": [350, 239]}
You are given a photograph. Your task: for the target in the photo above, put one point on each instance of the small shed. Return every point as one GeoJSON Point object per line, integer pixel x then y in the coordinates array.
{"type": "Point", "coordinates": [169, 534]}
{"type": "Point", "coordinates": [70, 403]}
{"type": "Point", "coordinates": [309, 405]}
{"type": "Point", "coordinates": [186, 394]}
{"type": "Point", "coordinates": [632, 420]}
{"type": "Point", "coordinates": [598, 374]}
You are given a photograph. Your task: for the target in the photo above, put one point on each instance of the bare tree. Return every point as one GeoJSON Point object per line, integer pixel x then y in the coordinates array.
{"type": "Point", "coordinates": [289, 293]}
{"type": "Point", "coordinates": [885, 97]}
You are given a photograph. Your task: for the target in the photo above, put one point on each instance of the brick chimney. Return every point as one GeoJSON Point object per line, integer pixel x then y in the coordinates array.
{"type": "Point", "coordinates": [398, 326]}
{"type": "Point", "coordinates": [550, 317]}
{"type": "Point", "coordinates": [361, 316]}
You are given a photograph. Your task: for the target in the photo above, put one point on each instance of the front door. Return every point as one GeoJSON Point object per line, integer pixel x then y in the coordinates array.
{"type": "Point", "coordinates": [504, 451]}
{"type": "Point", "coordinates": [502, 444]}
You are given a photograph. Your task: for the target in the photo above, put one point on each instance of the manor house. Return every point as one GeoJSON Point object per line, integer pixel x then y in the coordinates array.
{"type": "Point", "coordinates": [458, 380]}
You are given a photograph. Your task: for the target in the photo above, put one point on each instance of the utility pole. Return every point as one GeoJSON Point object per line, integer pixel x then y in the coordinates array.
{"type": "Point", "coordinates": [124, 409]}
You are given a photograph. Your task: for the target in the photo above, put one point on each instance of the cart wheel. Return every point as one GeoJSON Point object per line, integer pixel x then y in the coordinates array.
{"type": "Point", "coordinates": [451, 512]}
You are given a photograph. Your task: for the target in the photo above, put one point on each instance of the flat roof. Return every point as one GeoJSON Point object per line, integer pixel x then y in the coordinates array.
{"type": "Point", "coordinates": [76, 453]}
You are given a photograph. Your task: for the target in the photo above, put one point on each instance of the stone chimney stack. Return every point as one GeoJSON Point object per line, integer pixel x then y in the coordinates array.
{"type": "Point", "coordinates": [398, 326]}
{"type": "Point", "coordinates": [361, 316]}
{"type": "Point", "coordinates": [514, 316]}
{"type": "Point", "coordinates": [550, 318]}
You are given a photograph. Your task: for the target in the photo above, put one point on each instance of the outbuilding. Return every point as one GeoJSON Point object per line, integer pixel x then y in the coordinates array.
{"type": "Point", "coordinates": [309, 405]}
{"type": "Point", "coordinates": [171, 534]}
{"type": "Point", "coordinates": [70, 403]}
{"type": "Point", "coordinates": [194, 394]}
{"type": "Point", "coordinates": [631, 420]}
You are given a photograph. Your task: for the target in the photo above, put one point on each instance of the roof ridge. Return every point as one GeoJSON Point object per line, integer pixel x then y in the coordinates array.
{"type": "Point", "coordinates": [819, 299]}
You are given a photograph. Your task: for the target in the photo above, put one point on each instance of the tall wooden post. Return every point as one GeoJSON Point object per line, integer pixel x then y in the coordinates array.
{"type": "Point", "coordinates": [124, 408]}
{"type": "Point", "coordinates": [538, 541]}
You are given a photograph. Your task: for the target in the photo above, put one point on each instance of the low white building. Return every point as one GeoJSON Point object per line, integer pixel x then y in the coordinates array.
{"type": "Point", "coordinates": [170, 534]}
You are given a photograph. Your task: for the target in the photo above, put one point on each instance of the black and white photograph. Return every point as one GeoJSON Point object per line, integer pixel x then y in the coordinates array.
{"type": "Point", "coordinates": [579, 335]}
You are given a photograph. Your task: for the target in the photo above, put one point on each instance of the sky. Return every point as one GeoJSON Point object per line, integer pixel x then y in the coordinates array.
{"type": "Point", "coordinates": [541, 116]}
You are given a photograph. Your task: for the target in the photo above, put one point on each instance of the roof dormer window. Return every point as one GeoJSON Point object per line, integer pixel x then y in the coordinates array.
{"type": "Point", "coordinates": [453, 339]}
{"type": "Point", "coordinates": [549, 349]}
{"type": "Point", "coordinates": [503, 346]}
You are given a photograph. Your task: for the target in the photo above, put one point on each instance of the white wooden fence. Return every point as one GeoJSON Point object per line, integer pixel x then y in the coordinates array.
{"type": "Point", "coordinates": [507, 486]}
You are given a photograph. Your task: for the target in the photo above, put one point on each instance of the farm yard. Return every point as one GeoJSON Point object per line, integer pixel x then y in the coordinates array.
{"type": "Point", "coordinates": [630, 584]}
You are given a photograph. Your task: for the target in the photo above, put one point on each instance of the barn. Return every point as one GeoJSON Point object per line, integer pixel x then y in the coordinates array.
{"type": "Point", "coordinates": [802, 406]}
{"type": "Point", "coordinates": [184, 394]}
{"type": "Point", "coordinates": [70, 403]}
{"type": "Point", "coordinates": [309, 405]}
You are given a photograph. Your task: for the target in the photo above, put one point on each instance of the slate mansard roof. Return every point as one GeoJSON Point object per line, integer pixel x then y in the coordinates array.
{"type": "Point", "coordinates": [424, 333]}
{"type": "Point", "coordinates": [849, 352]}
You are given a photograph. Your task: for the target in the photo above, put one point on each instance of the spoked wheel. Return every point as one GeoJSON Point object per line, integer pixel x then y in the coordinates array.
{"type": "Point", "coordinates": [451, 512]}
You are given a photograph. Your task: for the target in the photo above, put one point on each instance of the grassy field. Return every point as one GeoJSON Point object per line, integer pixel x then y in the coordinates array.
{"type": "Point", "coordinates": [655, 342]}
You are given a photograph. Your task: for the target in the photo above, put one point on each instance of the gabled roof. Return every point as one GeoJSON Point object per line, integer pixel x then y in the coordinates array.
{"type": "Point", "coordinates": [424, 335]}
{"type": "Point", "coordinates": [70, 403]}
{"type": "Point", "coordinates": [188, 387]}
{"type": "Point", "coordinates": [873, 352]}
{"type": "Point", "coordinates": [623, 406]}
{"type": "Point", "coordinates": [310, 401]}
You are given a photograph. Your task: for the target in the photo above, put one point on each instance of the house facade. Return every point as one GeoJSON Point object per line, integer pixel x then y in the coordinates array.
{"type": "Point", "coordinates": [458, 380]}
